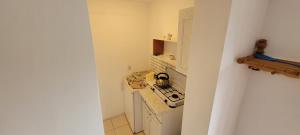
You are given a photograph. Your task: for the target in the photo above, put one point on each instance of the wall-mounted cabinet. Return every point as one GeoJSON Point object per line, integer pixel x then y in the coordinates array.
{"type": "Point", "coordinates": [185, 22]}
{"type": "Point", "coordinates": [184, 39]}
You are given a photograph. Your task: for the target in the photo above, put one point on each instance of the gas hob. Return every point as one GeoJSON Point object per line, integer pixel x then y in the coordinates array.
{"type": "Point", "coordinates": [172, 97]}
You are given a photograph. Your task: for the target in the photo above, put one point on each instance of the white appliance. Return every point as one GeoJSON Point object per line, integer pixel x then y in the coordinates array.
{"type": "Point", "coordinates": [133, 107]}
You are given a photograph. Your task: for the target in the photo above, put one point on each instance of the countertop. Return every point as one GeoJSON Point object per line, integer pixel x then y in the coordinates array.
{"type": "Point", "coordinates": [154, 101]}
{"type": "Point", "coordinates": [137, 80]}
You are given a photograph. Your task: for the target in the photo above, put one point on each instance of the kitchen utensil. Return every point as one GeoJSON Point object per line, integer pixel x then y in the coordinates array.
{"type": "Point", "coordinates": [162, 80]}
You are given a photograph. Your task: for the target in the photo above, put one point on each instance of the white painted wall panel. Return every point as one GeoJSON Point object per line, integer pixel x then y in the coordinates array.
{"type": "Point", "coordinates": [208, 38]}
{"type": "Point", "coordinates": [120, 37]}
{"type": "Point", "coordinates": [271, 103]}
{"type": "Point", "coordinates": [48, 80]}
{"type": "Point", "coordinates": [245, 25]}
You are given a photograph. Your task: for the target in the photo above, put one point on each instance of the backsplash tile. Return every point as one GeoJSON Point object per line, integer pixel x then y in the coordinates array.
{"type": "Point", "coordinates": [157, 65]}
{"type": "Point", "coordinates": [177, 79]}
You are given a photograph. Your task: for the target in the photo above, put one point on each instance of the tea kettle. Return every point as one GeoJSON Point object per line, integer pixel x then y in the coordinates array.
{"type": "Point", "coordinates": [162, 80]}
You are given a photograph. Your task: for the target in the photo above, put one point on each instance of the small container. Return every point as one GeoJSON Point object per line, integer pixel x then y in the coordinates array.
{"type": "Point", "coordinates": [172, 57]}
{"type": "Point", "coordinates": [169, 36]}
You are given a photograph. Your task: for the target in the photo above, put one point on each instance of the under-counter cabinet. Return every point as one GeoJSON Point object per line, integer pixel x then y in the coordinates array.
{"type": "Point", "coordinates": [151, 124]}
{"type": "Point", "coordinates": [184, 39]}
{"type": "Point", "coordinates": [166, 123]}
{"type": "Point", "coordinates": [146, 120]}
{"type": "Point", "coordinates": [155, 126]}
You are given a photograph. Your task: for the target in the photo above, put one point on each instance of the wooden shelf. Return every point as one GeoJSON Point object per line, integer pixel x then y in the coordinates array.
{"type": "Point", "coordinates": [166, 40]}
{"type": "Point", "coordinates": [270, 66]}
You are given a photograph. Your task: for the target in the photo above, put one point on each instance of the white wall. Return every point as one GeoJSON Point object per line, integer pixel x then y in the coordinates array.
{"type": "Point", "coordinates": [210, 25]}
{"type": "Point", "coordinates": [271, 103]}
{"type": "Point", "coordinates": [164, 15]}
{"type": "Point", "coordinates": [48, 74]}
{"type": "Point", "coordinates": [282, 29]}
{"type": "Point", "coordinates": [245, 24]}
{"type": "Point", "coordinates": [120, 37]}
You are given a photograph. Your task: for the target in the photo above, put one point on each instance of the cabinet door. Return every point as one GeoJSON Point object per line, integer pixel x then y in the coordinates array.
{"type": "Point", "coordinates": [155, 126]}
{"type": "Point", "coordinates": [184, 39]}
{"type": "Point", "coordinates": [146, 120]}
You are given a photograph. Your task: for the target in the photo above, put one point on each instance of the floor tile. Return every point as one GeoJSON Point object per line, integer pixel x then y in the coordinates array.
{"type": "Point", "coordinates": [119, 121]}
{"type": "Point", "coordinates": [125, 130]}
{"type": "Point", "coordinates": [108, 125]}
{"type": "Point", "coordinates": [111, 132]}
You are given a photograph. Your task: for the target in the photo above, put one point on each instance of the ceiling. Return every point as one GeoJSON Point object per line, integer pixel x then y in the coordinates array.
{"type": "Point", "coordinates": [146, 0]}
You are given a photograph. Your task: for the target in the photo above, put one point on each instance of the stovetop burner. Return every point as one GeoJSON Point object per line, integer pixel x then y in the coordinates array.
{"type": "Point", "coordinates": [170, 95]}
{"type": "Point", "coordinates": [175, 96]}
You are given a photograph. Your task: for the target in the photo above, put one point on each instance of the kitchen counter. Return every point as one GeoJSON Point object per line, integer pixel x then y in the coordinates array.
{"type": "Point", "coordinates": [154, 101]}
{"type": "Point", "coordinates": [129, 87]}
{"type": "Point", "coordinates": [137, 80]}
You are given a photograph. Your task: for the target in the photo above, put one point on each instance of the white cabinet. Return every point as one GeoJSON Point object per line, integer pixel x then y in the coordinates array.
{"type": "Point", "coordinates": [151, 124]}
{"type": "Point", "coordinates": [146, 120]}
{"type": "Point", "coordinates": [167, 124]}
{"type": "Point", "coordinates": [155, 126]}
{"type": "Point", "coordinates": [184, 39]}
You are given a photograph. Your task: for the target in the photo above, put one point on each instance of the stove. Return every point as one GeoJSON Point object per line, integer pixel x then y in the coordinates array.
{"type": "Point", "coordinates": [172, 97]}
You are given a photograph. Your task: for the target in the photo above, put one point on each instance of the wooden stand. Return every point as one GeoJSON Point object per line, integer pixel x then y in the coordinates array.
{"type": "Point", "coordinates": [270, 66]}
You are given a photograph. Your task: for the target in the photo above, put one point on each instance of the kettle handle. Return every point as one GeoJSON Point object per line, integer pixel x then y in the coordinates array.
{"type": "Point", "coordinates": [167, 76]}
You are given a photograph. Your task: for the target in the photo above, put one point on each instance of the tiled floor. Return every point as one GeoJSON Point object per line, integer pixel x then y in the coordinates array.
{"type": "Point", "coordinates": [118, 126]}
